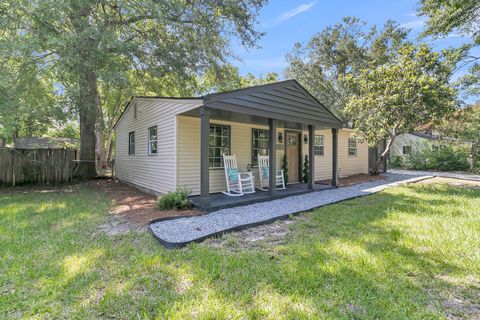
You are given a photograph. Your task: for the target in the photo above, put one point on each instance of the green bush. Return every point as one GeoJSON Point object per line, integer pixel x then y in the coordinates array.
{"type": "Point", "coordinates": [177, 199]}
{"type": "Point", "coordinates": [447, 158]}
{"type": "Point", "coordinates": [396, 162]}
{"type": "Point", "coordinates": [415, 161]}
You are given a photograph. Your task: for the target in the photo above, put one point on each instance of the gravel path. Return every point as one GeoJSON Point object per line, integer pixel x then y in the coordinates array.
{"type": "Point", "coordinates": [179, 232]}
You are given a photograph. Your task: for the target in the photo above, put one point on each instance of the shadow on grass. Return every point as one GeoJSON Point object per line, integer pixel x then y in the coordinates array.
{"type": "Point", "coordinates": [350, 260]}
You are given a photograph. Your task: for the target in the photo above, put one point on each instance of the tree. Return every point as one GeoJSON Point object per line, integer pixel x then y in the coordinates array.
{"type": "Point", "coordinates": [464, 128]}
{"type": "Point", "coordinates": [338, 51]}
{"type": "Point", "coordinates": [445, 17]}
{"type": "Point", "coordinates": [401, 96]}
{"type": "Point", "coordinates": [85, 41]}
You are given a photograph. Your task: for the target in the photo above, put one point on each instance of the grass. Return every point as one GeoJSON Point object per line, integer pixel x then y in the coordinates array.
{"type": "Point", "coordinates": [408, 252]}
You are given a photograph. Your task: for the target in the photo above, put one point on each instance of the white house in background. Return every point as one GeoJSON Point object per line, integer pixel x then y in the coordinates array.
{"type": "Point", "coordinates": [407, 143]}
{"type": "Point", "coordinates": [162, 143]}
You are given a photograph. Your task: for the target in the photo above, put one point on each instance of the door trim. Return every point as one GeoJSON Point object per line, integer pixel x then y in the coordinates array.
{"type": "Point", "coordinates": [300, 151]}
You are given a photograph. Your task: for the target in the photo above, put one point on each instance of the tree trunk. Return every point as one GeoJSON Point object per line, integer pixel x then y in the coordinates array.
{"type": "Point", "coordinates": [379, 161]}
{"type": "Point", "coordinates": [88, 115]}
{"type": "Point", "coordinates": [3, 142]}
{"type": "Point", "coordinates": [100, 136]}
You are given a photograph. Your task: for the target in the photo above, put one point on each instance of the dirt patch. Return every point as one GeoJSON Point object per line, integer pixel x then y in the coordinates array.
{"type": "Point", "coordinates": [356, 179]}
{"type": "Point", "coordinates": [452, 182]}
{"type": "Point", "coordinates": [257, 237]}
{"type": "Point", "coordinates": [134, 207]}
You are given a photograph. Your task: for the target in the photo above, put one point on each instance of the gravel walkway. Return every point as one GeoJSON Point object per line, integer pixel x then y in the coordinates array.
{"type": "Point", "coordinates": [179, 232]}
{"type": "Point", "coordinates": [453, 175]}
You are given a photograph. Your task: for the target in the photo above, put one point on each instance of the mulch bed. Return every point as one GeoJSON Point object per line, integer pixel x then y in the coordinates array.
{"type": "Point", "coordinates": [134, 205]}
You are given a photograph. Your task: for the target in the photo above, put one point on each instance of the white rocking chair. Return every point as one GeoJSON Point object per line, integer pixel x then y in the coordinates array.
{"type": "Point", "coordinates": [238, 183]}
{"type": "Point", "coordinates": [264, 173]}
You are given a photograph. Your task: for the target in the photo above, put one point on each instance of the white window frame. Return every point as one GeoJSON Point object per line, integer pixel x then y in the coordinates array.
{"type": "Point", "coordinates": [150, 140]}
{"type": "Point", "coordinates": [131, 145]}
{"type": "Point", "coordinates": [352, 147]}
{"type": "Point", "coordinates": [319, 149]}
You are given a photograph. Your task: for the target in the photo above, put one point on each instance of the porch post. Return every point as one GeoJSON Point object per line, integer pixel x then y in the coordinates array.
{"type": "Point", "coordinates": [311, 157]}
{"type": "Point", "coordinates": [272, 157]}
{"type": "Point", "coordinates": [334, 157]}
{"type": "Point", "coordinates": [204, 161]}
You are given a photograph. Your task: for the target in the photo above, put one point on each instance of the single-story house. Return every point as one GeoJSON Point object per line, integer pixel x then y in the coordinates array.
{"type": "Point", "coordinates": [408, 143]}
{"type": "Point", "coordinates": [162, 142]}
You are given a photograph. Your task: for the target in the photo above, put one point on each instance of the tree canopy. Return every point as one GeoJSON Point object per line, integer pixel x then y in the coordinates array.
{"type": "Point", "coordinates": [87, 42]}
{"type": "Point", "coordinates": [338, 51]}
{"type": "Point", "coordinates": [461, 17]}
{"type": "Point", "coordinates": [399, 97]}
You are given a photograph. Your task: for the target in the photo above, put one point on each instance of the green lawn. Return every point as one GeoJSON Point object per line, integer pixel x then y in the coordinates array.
{"type": "Point", "coordinates": [408, 252]}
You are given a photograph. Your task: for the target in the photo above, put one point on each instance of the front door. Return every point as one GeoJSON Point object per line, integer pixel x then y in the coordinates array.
{"type": "Point", "coordinates": [292, 149]}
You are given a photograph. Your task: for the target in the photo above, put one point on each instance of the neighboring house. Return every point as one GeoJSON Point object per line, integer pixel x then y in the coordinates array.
{"type": "Point", "coordinates": [162, 143]}
{"type": "Point", "coordinates": [44, 143]}
{"type": "Point", "coordinates": [408, 143]}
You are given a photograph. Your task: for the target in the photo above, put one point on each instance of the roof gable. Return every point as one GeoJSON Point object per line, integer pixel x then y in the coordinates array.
{"type": "Point", "coordinates": [285, 100]}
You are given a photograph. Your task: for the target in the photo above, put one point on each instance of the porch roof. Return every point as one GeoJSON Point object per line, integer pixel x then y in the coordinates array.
{"type": "Point", "coordinates": [286, 101]}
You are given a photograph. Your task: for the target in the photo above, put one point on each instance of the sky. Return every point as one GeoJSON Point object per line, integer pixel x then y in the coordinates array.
{"type": "Point", "coordinates": [288, 21]}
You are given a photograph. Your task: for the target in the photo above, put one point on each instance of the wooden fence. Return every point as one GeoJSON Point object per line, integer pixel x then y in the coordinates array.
{"type": "Point", "coordinates": [36, 166]}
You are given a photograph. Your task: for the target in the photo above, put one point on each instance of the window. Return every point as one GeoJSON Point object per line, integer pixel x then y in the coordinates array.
{"type": "Point", "coordinates": [435, 147]}
{"type": "Point", "coordinates": [407, 149]}
{"type": "Point", "coordinates": [319, 146]}
{"type": "Point", "coordinates": [352, 147]}
{"type": "Point", "coordinates": [131, 142]}
{"type": "Point", "coordinates": [219, 144]}
{"type": "Point", "coordinates": [259, 144]}
{"type": "Point", "coordinates": [152, 140]}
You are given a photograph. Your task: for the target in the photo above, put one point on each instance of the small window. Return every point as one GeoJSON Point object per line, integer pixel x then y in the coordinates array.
{"type": "Point", "coordinates": [407, 149]}
{"type": "Point", "coordinates": [260, 140]}
{"type": "Point", "coordinates": [435, 147]}
{"type": "Point", "coordinates": [131, 142]}
{"type": "Point", "coordinates": [319, 146]}
{"type": "Point", "coordinates": [152, 140]}
{"type": "Point", "coordinates": [352, 147]}
{"type": "Point", "coordinates": [219, 145]}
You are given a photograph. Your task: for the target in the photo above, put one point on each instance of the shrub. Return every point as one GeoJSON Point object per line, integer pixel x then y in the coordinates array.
{"type": "Point", "coordinates": [305, 169]}
{"type": "Point", "coordinates": [396, 162]}
{"type": "Point", "coordinates": [177, 199]}
{"type": "Point", "coordinates": [415, 161]}
{"type": "Point", "coordinates": [447, 158]}
{"type": "Point", "coordinates": [285, 168]}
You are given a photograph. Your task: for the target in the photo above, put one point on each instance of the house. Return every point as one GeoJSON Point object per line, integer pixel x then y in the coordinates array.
{"type": "Point", "coordinates": [162, 143]}
{"type": "Point", "coordinates": [408, 143]}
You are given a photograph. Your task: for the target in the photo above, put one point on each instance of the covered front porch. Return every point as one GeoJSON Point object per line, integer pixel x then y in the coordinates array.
{"type": "Point", "coordinates": [283, 109]}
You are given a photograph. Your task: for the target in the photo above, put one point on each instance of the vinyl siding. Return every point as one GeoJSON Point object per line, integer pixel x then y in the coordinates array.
{"type": "Point", "coordinates": [153, 172]}
{"type": "Point", "coordinates": [417, 143]}
{"type": "Point", "coordinates": [351, 165]}
{"type": "Point", "coordinates": [188, 158]}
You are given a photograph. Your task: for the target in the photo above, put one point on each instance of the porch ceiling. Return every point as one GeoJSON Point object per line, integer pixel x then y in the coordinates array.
{"type": "Point", "coordinates": [286, 101]}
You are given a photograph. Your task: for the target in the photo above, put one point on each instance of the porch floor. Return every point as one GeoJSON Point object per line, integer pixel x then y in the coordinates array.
{"type": "Point", "coordinates": [221, 201]}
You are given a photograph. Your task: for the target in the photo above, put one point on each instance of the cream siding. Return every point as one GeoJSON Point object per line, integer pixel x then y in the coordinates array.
{"type": "Point", "coordinates": [153, 172]}
{"type": "Point", "coordinates": [351, 165]}
{"type": "Point", "coordinates": [188, 159]}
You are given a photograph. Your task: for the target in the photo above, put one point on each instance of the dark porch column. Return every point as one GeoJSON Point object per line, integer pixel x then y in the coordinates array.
{"type": "Point", "coordinates": [311, 157]}
{"type": "Point", "coordinates": [334, 157]}
{"type": "Point", "coordinates": [272, 175]}
{"type": "Point", "coordinates": [204, 162]}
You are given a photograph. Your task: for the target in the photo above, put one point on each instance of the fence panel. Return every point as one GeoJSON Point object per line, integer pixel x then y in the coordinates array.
{"type": "Point", "coordinates": [35, 166]}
